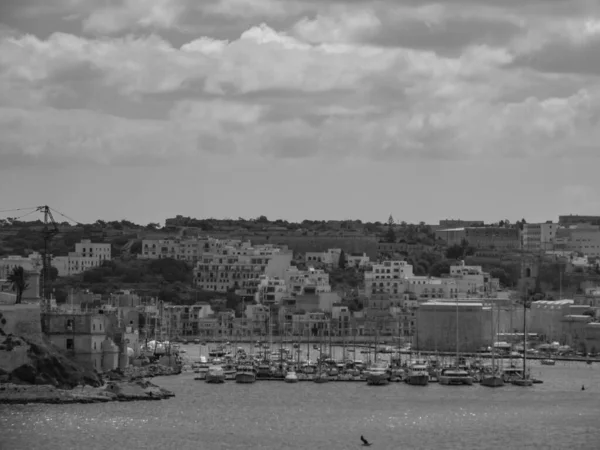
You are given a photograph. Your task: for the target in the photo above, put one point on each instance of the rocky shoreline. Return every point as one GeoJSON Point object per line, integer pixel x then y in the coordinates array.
{"type": "Point", "coordinates": [112, 391]}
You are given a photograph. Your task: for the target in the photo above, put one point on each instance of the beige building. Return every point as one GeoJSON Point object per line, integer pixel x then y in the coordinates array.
{"type": "Point", "coordinates": [86, 336]}
{"type": "Point", "coordinates": [538, 236]}
{"type": "Point", "coordinates": [86, 256]}
{"type": "Point", "coordinates": [583, 238]}
{"type": "Point", "coordinates": [437, 324]}
{"type": "Point", "coordinates": [238, 270]}
{"type": "Point", "coordinates": [176, 248]}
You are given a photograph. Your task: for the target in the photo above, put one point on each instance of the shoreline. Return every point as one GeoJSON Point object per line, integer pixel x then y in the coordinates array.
{"type": "Point", "coordinates": [111, 391]}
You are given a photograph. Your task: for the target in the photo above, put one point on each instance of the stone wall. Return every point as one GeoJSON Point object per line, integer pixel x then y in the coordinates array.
{"type": "Point", "coordinates": [21, 320]}
{"type": "Point", "coordinates": [7, 298]}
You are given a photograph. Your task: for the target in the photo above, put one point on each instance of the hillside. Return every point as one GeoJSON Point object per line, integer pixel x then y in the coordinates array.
{"type": "Point", "coordinates": [171, 279]}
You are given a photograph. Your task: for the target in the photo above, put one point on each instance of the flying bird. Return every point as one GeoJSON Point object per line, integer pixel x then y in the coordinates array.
{"type": "Point", "coordinates": [365, 442]}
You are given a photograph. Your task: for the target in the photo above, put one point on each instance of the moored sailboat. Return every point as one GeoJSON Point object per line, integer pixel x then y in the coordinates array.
{"type": "Point", "coordinates": [494, 377]}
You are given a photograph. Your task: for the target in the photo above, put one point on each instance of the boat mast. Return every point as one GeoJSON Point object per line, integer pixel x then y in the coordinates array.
{"type": "Point", "coordinates": [524, 337]}
{"type": "Point", "coordinates": [457, 355]}
{"type": "Point", "coordinates": [330, 331]}
{"type": "Point", "coordinates": [309, 332]}
{"type": "Point", "coordinates": [493, 347]}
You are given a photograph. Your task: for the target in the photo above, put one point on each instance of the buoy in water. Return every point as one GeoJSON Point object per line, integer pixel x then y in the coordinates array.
{"type": "Point", "coordinates": [582, 388]}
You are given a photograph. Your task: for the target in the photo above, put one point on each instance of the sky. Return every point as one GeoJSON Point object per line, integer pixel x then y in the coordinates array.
{"type": "Point", "coordinates": [301, 109]}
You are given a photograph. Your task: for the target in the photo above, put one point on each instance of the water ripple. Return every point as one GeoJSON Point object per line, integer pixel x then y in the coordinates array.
{"type": "Point", "coordinates": [269, 416]}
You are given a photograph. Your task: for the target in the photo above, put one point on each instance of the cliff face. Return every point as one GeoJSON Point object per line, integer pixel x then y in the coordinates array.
{"type": "Point", "coordinates": [36, 361]}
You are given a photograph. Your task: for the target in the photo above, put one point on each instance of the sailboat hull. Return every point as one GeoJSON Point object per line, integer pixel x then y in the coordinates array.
{"type": "Point", "coordinates": [522, 382]}
{"type": "Point", "coordinates": [492, 381]}
{"type": "Point", "coordinates": [418, 380]}
{"type": "Point", "coordinates": [245, 378]}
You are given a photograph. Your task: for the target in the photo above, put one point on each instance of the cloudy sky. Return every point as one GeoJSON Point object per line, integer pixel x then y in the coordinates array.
{"type": "Point", "coordinates": [319, 109]}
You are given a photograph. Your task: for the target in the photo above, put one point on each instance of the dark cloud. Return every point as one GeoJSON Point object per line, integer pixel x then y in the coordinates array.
{"type": "Point", "coordinates": [563, 58]}
{"type": "Point", "coordinates": [448, 37]}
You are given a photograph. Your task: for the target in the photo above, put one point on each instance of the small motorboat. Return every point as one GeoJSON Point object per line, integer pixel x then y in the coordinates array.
{"type": "Point", "coordinates": [291, 377]}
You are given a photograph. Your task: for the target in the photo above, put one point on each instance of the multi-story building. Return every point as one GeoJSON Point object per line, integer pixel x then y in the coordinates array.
{"type": "Point", "coordinates": [259, 318]}
{"type": "Point", "coordinates": [329, 258]}
{"type": "Point", "coordinates": [176, 248]}
{"type": "Point", "coordinates": [85, 336]}
{"type": "Point", "coordinates": [183, 320]}
{"type": "Point", "coordinates": [87, 255]}
{"type": "Point", "coordinates": [472, 280]}
{"type": "Point", "coordinates": [583, 238]}
{"type": "Point", "coordinates": [482, 237]}
{"type": "Point", "coordinates": [437, 324]}
{"type": "Point", "coordinates": [387, 277]}
{"type": "Point", "coordinates": [239, 269]}
{"type": "Point", "coordinates": [357, 260]}
{"type": "Point", "coordinates": [306, 281]}
{"type": "Point", "coordinates": [538, 236]}
{"type": "Point", "coordinates": [577, 219]}
{"type": "Point", "coordinates": [270, 291]}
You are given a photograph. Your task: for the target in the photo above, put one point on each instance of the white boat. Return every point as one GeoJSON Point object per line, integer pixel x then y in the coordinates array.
{"type": "Point", "coordinates": [291, 377]}
{"type": "Point", "coordinates": [378, 375]}
{"type": "Point", "coordinates": [215, 375]}
{"type": "Point", "coordinates": [449, 377]}
{"type": "Point", "coordinates": [418, 375]}
{"type": "Point", "coordinates": [321, 377]}
{"type": "Point", "coordinates": [245, 373]}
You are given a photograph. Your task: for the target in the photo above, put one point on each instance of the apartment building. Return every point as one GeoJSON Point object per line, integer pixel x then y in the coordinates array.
{"type": "Point", "coordinates": [239, 269]}
{"type": "Point", "coordinates": [582, 238]}
{"type": "Point", "coordinates": [184, 320]}
{"type": "Point", "coordinates": [472, 280]}
{"type": "Point", "coordinates": [357, 260]}
{"type": "Point", "coordinates": [538, 236]}
{"type": "Point", "coordinates": [87, 255]}
{"type": "Point", "coordinates": [387, 277]}
{"type": "Point", "coordinates": [176, 248]}
{"type": "Point", "coordinates": [310, 281]}
{"type": "Point", "coordinates": [329, 258]}
{"type": "Point", "coordinates": [270, 291]}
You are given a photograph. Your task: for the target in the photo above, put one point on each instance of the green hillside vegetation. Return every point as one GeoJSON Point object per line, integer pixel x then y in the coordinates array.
{"type": "Point", "coordinates": [167, 279]}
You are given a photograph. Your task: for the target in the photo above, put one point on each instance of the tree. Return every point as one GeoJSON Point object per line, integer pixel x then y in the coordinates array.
{"type": "Point", "coordinates": [440, 268]}
{"type": "Point", "coordinates": [18, 279]}
{"type": "Point", "coordinates": [342, 262]}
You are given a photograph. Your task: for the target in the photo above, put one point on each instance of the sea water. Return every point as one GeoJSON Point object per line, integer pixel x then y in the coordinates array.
{"type": "Point", "coordinates": [273, 415]}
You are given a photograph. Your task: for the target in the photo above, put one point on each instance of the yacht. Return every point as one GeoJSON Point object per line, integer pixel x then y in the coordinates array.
{"type": "Point", "coordinates": [548, 362]}
{"type": "Point", "coordinates": [378, 374]}
{"type": "Point", "coordinates": [418, 374]}
{"type": "Point", "coordinates": [291, 377]}
{"type": "Point", "coordinates": [215, 375]}
{"type": "Point", "coordinates": [455, 377]}
{"type": "Point", "coordinates": [245, 373]}
{"type": "Point", "coordinates": [264, 371]}
{"type": "Point", "coordinates": [201, 368]}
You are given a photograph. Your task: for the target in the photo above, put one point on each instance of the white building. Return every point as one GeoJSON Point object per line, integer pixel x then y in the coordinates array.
{"type": "Point", "coordinates": [538, 236]}
{"type": "Point", "coordinates": [302, 281]}
{"type": "Point", "coordinates": [357, 260]}
{"type": "Point", "coordinates": [270, 291]}
{"type": "Point", "coordinates": [582, 238]}
{"type": "Point", "coordinates": [330, 258]}
{"type": "Point", "coordinates": [472, 280]}
{"type": "Point", "coordinates": [176, 248]}
{"type": "Point", "coordinates": [240, 268]}
{"type": "Point", "coordinates": [86, 256]}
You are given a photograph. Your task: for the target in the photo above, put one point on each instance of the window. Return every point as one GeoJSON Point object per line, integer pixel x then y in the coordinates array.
{"type": "Point", "coordinates": [70, 344]}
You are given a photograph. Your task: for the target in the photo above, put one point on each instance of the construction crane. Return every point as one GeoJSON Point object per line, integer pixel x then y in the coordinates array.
{"type": "Point", "coordinates": [48, 232]}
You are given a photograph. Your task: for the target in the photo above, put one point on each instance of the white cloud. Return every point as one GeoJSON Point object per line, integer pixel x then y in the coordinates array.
{"type": "Point", "coordinates": [316, 87]}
